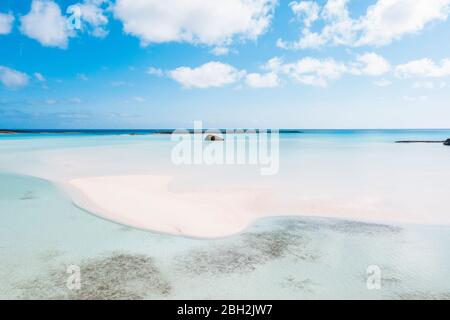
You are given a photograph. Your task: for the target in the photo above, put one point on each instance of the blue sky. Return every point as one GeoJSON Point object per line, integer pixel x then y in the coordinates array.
{"type": "Point", "coordinates": [237, 63]}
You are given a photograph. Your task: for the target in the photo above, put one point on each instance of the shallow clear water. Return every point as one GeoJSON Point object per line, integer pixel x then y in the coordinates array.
{"type": "Point", "coordinates": [42, 232]}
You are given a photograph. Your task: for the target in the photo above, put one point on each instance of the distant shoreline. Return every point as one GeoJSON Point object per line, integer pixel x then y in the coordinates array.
{"type": "Point", "coordinates": [134, 131]}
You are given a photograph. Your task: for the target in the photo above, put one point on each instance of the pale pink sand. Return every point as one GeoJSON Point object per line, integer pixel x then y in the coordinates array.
{"type": "Point", "coordinates": [147, 201]}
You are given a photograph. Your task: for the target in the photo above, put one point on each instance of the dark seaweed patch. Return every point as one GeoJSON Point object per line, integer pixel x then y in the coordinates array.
{"type": "Point", "coordinates": [250, 250]}
{"type": "Point", "coordinates": [357, 227]}
{"type": "Point", "coordinates": [119, 276]}
{"type": "Point", "coordinates": [422, 295]}
{"type": "Point", "coordinates": [125, 229]}
{"type": "Point", "coordinates": [279, 243]}
{"type": "Point", "coordinates": [294, 283]}
{"type": "Point", "coordinates": [29, 195]}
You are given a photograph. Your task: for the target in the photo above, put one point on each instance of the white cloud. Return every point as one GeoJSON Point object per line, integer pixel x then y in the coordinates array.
{"type": "Point", "coordinates": [308, 11]}
{"type": "Point", "coordinates": [45, 24]}
{"type": "Point", "coordinates": [6, 22]}
{"type": "Point", "coordinates": [39, 77]}
{"type": "Point", "coordinates": [309, 40]}
{"type": "Point", "coordinates": [307, 71]}
{"type": "Point", "coordinates": [319, 72]}
{"type": "Point", "coordinates": [371, 64]}
{"type": "Point", "coordinates": [91, 17]}
{"type": "Point", "coordinates": [257, 80]}
{"type": "Point", "coordinates": [273, 64]}
{"type": "Point", "coordinates": [429, 85]}
{"type": "Point", "coordinates": [424, 68]}
{"type": "Point", "coordinates": [12, 79]}
{"type": "Point", "coordinates": [211, 74]}
{"type": "Point", "coordinates": [155, 71]}
{"type": "Point", "coordinates": [382, 83]}
{"type": "Point", "coordinates": [389, 20]}
{"type": "Point", "coordinates": [220, 51]}
{"type": "Point", "coordinates": [424, 85]}
{"type": "Point", "coordinates": [383, 22]}
{"type": "Point", "coordinates": [199, 21]}
{"type": "Point", "coordinates": [315, 72]}
{"type": "Point", "coordinates": [415, 98]}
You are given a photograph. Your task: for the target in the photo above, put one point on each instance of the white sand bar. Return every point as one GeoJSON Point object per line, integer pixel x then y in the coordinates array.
{"type": "Point", "coordinates": [147, 202]}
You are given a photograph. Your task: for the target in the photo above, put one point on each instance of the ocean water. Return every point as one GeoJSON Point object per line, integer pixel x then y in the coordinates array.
{"type": "Point", "coordinates": [42, 233]}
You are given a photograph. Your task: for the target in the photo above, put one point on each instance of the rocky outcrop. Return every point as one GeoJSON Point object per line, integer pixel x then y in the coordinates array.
{"type": "Point", "coordinates": [419, 141]}
{"type": "Point", "coordinates": [446, 142]}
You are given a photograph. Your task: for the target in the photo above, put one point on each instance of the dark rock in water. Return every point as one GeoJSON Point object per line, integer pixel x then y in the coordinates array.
{"type": "Point", "coordinates": [419, 141]}
{"type": "Point", "coordinates": [212, 137]}
{"type": "Point", "coordinates": [7, 132]}
{"type": "Point", "coordinates": [446, 142]}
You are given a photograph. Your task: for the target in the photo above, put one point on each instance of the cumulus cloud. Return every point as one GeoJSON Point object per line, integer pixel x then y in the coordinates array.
{"type": "Point", "coordinates": [220, 51]}
{"type": "Point", "coordinates": [319, 72]}
{"type": "Point", "coordinates": [371, 64]}
{"type": "Point", "coordinates": [315, 72]}
{"type": "Point", "coordinates": [200, 21]}
{"type": "Point", "coordinates": [257, 80]}
{"type": "Point", "coordinates": [307, 11]}
{"type": "Point", "coordinates": [46, 24]}
{"type": "Point", "coordinates": [39, 77]}
{"type": "Point", "coordinates": [429, 85]}
{"type": "Point", "coordinates": [90, 17]}
{"type": "Point", "coordinates": [6, 22]}
{"type": "Point", "coordinates": [382, 23]}
{"type": "Point", "coordinates": [12, 79]}
{"type": "Point", "coordinates": [211, 74]}
{"type": "Point", "coordinates": [308, 71]}
{"type": "Point", "coordinates": [155, 71]}
{"type": "Point", "coordinates": [389, 20]}
{"type": "Point", "coordinates": [424, 68]}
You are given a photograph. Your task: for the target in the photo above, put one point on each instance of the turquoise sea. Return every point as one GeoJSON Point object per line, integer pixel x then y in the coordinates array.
{"type": "Point", "coordinates": [42, 232]}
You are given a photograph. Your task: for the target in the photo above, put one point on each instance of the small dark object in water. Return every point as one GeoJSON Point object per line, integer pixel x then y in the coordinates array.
{"type": "Point", "coordinates": [291, 131]}
{"type": "Point", "coordinates": [211, 137]}
{"type": "Point", "coordinates": [447, 142]}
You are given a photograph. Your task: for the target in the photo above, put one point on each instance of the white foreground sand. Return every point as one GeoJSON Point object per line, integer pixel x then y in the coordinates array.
{"type": "Point", "coordinates": [147, 202]}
